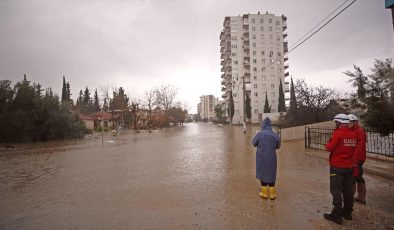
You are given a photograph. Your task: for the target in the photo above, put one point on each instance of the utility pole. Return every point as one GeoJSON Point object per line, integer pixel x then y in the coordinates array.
{"type": "Point", "coordinates": [244, 100]}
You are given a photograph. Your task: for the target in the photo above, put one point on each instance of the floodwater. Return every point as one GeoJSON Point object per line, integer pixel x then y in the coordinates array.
{"type": "Point", "coordinates": [197, 176]}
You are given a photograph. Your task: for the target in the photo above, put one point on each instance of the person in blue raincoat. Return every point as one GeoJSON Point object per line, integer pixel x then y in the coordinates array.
{"type": "Point", "coordinates": [266, 142]}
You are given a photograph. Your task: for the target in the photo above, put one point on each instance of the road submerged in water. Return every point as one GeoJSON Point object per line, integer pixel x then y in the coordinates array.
{"type": "Point", "coordinates": [196, 176]}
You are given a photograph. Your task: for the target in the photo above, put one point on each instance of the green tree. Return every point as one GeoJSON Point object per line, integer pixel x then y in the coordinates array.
{"type": "Point", "coordinates": [293, 99]}
{"type": "Point", "coordinates": [231, 106]}
{"type": "Point", "coordinates": [248, 107]}
{"type": "Point", "coordinates": [267, 107]}
{"type": "Point", "coordinates": [219, 112]}
{"type": "Point", "coordinates": [359, 80]}
{"type": "Point", "coordinates": [96, 105]}
{"type": "Point", "coordinates": [64, 91]}
{"type": "Point", "coordinates": [281, 99]}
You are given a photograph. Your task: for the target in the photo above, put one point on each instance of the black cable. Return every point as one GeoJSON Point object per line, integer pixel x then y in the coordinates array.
{"type": "Point", "coordinates": [319, 23]}
{"type": "Point", "coordinates": [321, 27]}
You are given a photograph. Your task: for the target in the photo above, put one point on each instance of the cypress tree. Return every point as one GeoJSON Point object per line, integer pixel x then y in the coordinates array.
{"type": "Point", "coordinates": [248, 108]}
{"type": "Point", "coordinates": [96, 102]}
{"type": "Point", "coordinates": [64, 91]}
{"type": "Point", "coordinates": [281, 100]}
{"type": "Point", "coordinates": [267, 107]}
{"type": "Point", "coordinates": [293, 100]}
{"type": "Point", "coordinates": [231, 106]}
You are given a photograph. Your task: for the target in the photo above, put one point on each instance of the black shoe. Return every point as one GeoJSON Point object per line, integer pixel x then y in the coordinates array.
{"type": "Point", "coordinates": [347, 216]}
{"type": "Point", "coordinates": [333, 217]}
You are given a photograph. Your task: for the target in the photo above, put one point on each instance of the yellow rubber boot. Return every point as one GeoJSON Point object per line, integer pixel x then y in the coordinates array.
{"type": "Point", "coordinates": [264, 192]}
{"type": "Point", "coordinates": [272, 193]}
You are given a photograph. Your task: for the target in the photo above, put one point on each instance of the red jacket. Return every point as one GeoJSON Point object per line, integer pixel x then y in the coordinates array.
{"type": "Point", "coordinates": [361, 149]}
{"type": "Point", "coordinates": [342, 146]}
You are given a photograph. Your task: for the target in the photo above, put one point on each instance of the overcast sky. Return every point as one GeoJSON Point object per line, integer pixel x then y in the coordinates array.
{"type": "Point", "coordinates": [140, 45]}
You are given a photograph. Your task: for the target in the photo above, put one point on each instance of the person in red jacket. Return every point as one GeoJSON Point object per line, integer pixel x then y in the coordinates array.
{"type": "Point", "coordinates": [360, 157]}
{"type": "Point", "coordinates": [341, 146]}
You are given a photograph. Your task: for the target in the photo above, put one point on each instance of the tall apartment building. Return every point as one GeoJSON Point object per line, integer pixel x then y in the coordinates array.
{"type": "Point", "coordinates": [206, 107]}
{"type": "Point", "coordinates": [253, 63]}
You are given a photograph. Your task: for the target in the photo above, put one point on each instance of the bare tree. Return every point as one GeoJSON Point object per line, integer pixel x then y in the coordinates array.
{"type": "Point", "coordinates": [316, 101]}
{"type": "Point", "coordinates": [149, 102]}
{"type": "Point", "coordinates": [135, 111]}
{"type": "Point", "coordinates": [165, 96]}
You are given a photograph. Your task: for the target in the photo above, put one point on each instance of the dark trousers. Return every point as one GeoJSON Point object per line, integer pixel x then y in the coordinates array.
{"type": "Point", "coordinates": [341, 185]}
{"type": "Point", "coordinates": [265, 184]}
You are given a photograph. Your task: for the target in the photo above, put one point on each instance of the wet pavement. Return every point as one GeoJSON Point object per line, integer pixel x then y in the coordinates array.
{"type": "Point", "coordinates": [197, 176]}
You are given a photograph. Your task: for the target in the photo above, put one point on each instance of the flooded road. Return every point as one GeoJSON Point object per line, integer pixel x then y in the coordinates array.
{"type": "Point", "coordinates": [197, 176]}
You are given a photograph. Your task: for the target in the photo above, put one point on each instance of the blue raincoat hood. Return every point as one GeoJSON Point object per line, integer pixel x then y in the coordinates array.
{"type": "Point", "coordinates": [266, 124]}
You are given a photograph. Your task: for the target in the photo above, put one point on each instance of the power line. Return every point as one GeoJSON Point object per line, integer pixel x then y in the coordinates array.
{"type": "Point", "coordinates": [320, 22]}
{"type": "Point", "coordinates": [321, 27]}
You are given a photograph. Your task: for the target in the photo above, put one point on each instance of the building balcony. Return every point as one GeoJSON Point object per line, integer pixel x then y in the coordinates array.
{"type": "Point", "coordinates": [284, 35]}
{"type": "Point", "coordinates": [222, 56]}
{"type": "Point", "coordinates": [222, 35]}
{"type": "Point", "coordinates": [287, 87]}
{"type": "Point", "coordinates": [246, 43]}
{"type": "Point", "coordinates": [246, 26]}
{"type": "Point", "coordinates": [222, 49]}
{"type": "Point", "coordinates": [246, 34]}
{"type": "Point", "coordinates": [223, 83]}
{"type": "Point", "coordinates": [246, 49]}
{"type": "Point", "coordinates": [228, 68]}
{"type": "Point", "coordinates": [222, 63]}
{"type": "Point", "coordinates": [223, 89]}
{"type": "Point", "coordinates": [246, 54]}
{"type": "Point", "coordinates": [286, 66]}
{"type": "Point", "coordinates": [284, 18]}
{"type": "Point", "coordinates": [286, 74]}
{"type": "Point", "coordinates": [246, 63]}
{"type": "Point", "coordinates": [284, 26]}
{"type": "Point", "coordinates": [246, 58]}
{"type": "Point", "coordinates": [285, 59]}
{"type": "Point", "coordinates": [223, 69]}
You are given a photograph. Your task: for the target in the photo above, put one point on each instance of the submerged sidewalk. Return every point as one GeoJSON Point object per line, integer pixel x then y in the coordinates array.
{"type": "Point", "coordinates": [375, 164]}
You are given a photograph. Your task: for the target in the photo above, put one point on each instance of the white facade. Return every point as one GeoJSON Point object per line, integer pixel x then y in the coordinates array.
{"type": "Point", "coordinates": [253, 62]}
{"type": "Point", "coordinates": [206, 107]}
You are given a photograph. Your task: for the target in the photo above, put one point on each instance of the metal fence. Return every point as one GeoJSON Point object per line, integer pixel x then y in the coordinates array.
{"type": "Point", "coordinates": [317, 137]}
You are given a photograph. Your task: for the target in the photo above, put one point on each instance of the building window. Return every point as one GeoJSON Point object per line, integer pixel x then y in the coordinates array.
{"type": "Point", "coordinates": [253, 28]}
{"type": "Point", "coordinates": [253, 36]}
{"type": "Point", "coordinates": [256, 111]}
{"type": "Point", "coordinates": [270, 20]}
{"type": "Point", "coordinates": [261, 20]}
{"type": "Point", "coordinates": [270, 28]}
{"type": "Point", "coordinates": [277, 22]}
{"type": "Point", "coordinates": [255, 69]}
{"type": "Point", "coordinates": [254, 44]}
{"type": "Point", "coordinates": [255, 77]}
{"type": "Point", "coordinates": [279, 54]}
{"type": "Point", "coordinates": [253, 20]}
{"type": "Point", "coordinates": [254, 52]}
{"type": "Point", "coordinates": [255, 86]}
{"type": "Point", "coordinates": [233, 54]}
{"type": "Point", "coordinates": [254, 61]}
{"type": "Point", "coordinates": [236, 62]}
{"type": "Point", "coordinates": [263, 60]}
{"type": "Point", "coordinates": [234, 38]}
{"type": "Point", "coordinates": [272, 86]}
{"type": "Point", "coordinates": [262, 53]}
{"type": "Point", "coordinates": [255, 94]}
{"type": "Point", "coordinates": [234, 46]}
{"type": "Point", "coordinates": [271, 53]}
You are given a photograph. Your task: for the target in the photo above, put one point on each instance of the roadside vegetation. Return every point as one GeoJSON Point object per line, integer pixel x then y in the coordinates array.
{"type": "Point", "coordinates": [29, 113]}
